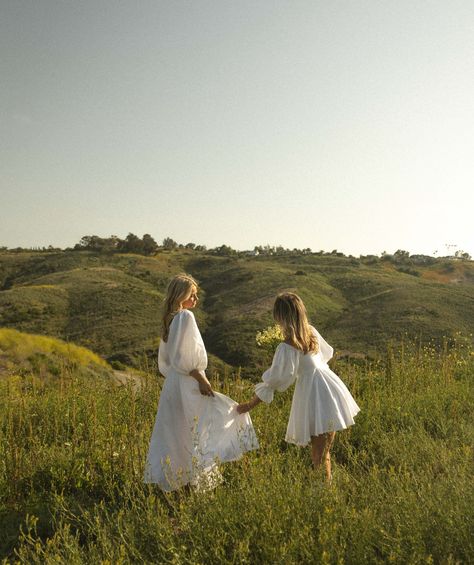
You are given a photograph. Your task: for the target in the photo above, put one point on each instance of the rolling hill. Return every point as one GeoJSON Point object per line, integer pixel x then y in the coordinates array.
{"type": "Point", "coordinates": [111, 303]}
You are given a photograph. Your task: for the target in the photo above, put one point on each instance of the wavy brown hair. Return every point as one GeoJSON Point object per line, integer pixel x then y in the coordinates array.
{"type": "Point", "coordinates": [290, 313]}
{"type": "Point", "coordinates": [179, 289]}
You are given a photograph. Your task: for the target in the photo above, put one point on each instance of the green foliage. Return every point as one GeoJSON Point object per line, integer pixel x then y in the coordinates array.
{"type": "Point", "coordinates": [149, 245]}
{"type": "Point", "coordinates": [111, 302]}
{"type": "Point", "coordinates": [224, 250]}
{"type": "Point", "coordinates": [22, 353]}
{"type": "Point", "coordinates": [72, 452]}
{"type": "Point", "coordinates": [99, 244]}
{"type": "Point", "coordinates": [270, 338]}
{"type": "Point", "coordinates": [131, 244]}
{"type": "Point", "coordinates": [169, 244]}
{"type": "Point", "coordinates": [98, 304]}
{"type": "Point", "coordinates": [20, 346]}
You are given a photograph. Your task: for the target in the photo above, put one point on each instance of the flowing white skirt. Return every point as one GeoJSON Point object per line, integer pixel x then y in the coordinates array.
{"type": "Point", "coordinates": [321, 403]}
{"type": "Point", "coordinates": [193, 433]}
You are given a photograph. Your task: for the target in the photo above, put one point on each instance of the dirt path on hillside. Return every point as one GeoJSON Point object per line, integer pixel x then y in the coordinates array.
{"type": "Point", "coordinates": [374, 295]}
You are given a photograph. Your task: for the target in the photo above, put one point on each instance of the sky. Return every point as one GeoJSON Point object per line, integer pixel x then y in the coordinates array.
{"type": "Point", "coordinates": [328, 124]}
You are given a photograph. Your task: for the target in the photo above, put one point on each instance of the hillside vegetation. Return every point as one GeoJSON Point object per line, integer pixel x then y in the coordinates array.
{"type": "Point", "coordinates": [25, 354]}
{"type": "Point", "coordinates": [74, 433]}
{"type": "Point", "coordinates": [72, 453]}
{"type": "Point", "coordinates": [110, 302]}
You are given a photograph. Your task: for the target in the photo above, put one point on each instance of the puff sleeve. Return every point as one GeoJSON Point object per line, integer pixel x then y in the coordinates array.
{"type": "Point", "coordinates": [325, 350]}
{"type": "Point", "coordinates": [280, 375]}
{"type": "Point", "coordinates": [184, 350]}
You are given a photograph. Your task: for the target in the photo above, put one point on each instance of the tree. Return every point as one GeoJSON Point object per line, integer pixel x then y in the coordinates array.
{"type": "Point", "coordinates": [149, 244]}
{"type": "Point", "coordinates": [169, 243]}
{"type": "Point", "coordinates": [401, 256]}
{"type": "Point", "coordinates": [96, 243]}
{"type": "Point", "coordinates": [224, 250]}
{"type": "Point", "coordinates": [132, 244]}
{"type": "Point", "coordinates": [462, 255]}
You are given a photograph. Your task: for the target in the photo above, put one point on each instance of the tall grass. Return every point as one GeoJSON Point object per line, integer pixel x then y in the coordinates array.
{"type": "Point", "coordinates": [73, 451]}
{"type": "Point", "coordinates": [22, 346]}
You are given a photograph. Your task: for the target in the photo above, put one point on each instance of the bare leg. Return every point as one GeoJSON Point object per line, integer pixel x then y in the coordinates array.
{"type": "Point", "coordinates": [320, 452]}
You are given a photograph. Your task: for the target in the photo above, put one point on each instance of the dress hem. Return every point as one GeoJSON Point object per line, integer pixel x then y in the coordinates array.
{"type": "Point", "coordinates": [308, 442]}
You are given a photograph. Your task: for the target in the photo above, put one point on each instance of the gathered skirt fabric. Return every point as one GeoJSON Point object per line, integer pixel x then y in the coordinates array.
{"type": "Point", "coordinates": [193, 433]}
{"type": "Point", "coordinates": [321, 403]}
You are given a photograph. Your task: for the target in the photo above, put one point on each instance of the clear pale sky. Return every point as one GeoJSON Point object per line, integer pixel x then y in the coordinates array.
{"type": "Point", "coordinates": [328, 124]}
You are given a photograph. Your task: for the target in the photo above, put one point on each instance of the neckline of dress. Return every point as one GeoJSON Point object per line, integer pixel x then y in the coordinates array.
{"type": "Point", "coordinates": [182, 310]}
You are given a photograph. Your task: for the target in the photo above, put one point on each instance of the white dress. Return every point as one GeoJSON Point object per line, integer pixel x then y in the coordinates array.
{"type": "Point", "coordinates": [321, 401]}
{"type": "Point", "coordinates": [192, 432]}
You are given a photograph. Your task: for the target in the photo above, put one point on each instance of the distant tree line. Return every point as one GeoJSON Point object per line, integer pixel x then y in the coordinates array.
{"type": "Point", "coordinates": [146, 245]}
{"type": "Point", "coordinates": [44, 249]}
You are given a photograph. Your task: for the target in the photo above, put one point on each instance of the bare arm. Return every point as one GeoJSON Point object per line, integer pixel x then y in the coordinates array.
{"type": "Point", "coordinates": [247, 406]}
{"type": "Point", "coordinates": [204, 384]}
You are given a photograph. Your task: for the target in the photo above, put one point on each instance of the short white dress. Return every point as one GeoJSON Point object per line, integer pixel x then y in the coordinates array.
{"type": "Point", "coordinates": [192, 432]}
{"type": "Point", "coordinates": [321, 401]}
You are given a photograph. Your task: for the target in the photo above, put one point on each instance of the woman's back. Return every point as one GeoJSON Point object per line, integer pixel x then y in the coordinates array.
{"type": "Point", "coordinates": [307, 362]}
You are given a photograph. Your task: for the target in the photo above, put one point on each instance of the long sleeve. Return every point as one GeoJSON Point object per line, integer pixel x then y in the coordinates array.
{"type": "Point", "coordinates": [325, 350]}
{"type": "Point", "coordinates": [163, 361]}
{"type": "Point", "coordinates": [184, 350]}
{"type": "Point", "coordinates": [280, 375]}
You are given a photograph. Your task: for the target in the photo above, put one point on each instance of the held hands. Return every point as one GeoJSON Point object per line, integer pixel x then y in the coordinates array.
{"type": "Point", "coordinates": [244, 407]}
{"type": "Point", "coordinates": [247, 406]}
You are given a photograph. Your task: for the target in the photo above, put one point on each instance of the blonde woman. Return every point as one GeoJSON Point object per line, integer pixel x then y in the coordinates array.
{"type": "Point", "coordinates": [321, 403]}
{"type": "Point", "coordinates": [195, 427]}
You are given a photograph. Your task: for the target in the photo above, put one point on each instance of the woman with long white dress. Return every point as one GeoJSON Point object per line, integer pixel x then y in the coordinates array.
{"type": "Point", "coordinates": [322, 404]}
{"type": "Point", "coordinates": [195, 427]}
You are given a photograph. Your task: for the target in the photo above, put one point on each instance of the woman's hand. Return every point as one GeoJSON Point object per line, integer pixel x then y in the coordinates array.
{"type": "Point", "coordinates": [205, 388]}
{"type": "Point", "coordinates": [204, 385]}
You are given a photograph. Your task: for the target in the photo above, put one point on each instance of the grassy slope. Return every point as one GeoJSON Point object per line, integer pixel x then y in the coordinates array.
{"type": "Point", "coordinates": [107, 303]}
{"type": "Point", "coordinates": [389, 304]}
{"type": "Point", "coordinates": [111, 303]}
{"type": "Point", "coordinates": [47, 357]}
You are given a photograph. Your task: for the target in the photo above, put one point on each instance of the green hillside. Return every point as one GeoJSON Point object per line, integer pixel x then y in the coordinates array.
{"type": "Point", "coordinates": [389, 304]}
{"type": "Point", "coordinates": [47, 357]}
{"type": "Point", "coordinates": [111, 302]}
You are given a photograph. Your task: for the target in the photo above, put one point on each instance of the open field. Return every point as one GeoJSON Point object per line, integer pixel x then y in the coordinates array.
{"type": "Point", "coordinates": [73, 447]}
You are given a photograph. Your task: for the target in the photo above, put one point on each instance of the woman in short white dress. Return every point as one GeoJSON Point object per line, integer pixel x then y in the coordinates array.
{"type": "Point", "coordinates": [321, 404]}
{"type": "Point", "coordinates": [195, 427]}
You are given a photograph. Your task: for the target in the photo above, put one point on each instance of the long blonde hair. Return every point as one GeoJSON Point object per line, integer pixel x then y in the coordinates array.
{"type": "Point", "coordinates": [179, 289]}
{"type": "Point", "coordinates": [290, 313]}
